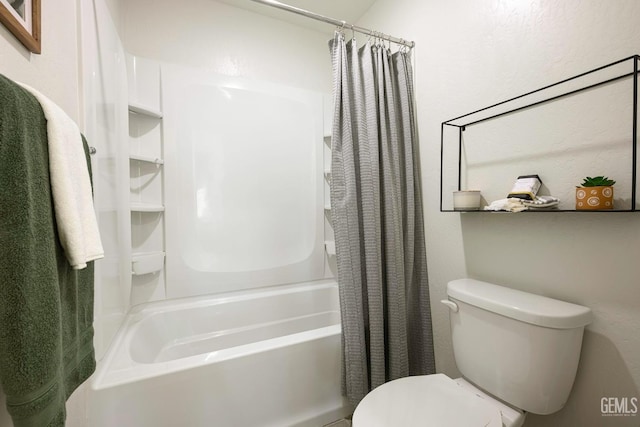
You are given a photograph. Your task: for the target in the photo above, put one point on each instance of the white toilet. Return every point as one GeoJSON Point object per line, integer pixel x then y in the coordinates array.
{"type": "Point", "coordinates": [517, 352]}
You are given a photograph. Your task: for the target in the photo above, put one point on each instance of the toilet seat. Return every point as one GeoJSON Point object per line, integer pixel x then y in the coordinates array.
{"type": "Point", "coordinates": [424, 401]}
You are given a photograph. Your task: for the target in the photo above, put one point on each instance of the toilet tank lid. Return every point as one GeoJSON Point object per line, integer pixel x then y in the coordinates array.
{"type": "Point", "coordinates": [523, 306]}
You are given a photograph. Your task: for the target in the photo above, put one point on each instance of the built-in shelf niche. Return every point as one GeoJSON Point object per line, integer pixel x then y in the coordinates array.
{"type": "Point", "coordinates": [146, 207]}
{"type": "Point", "coordinates": [147, 263]}
{"type": "Point", "coordinates": [144, 110]}
{"type": "Point", "coordinates": [329, 234]}
{"type": "Point", "coordinates": [146, 184]}
{"type": "Point", "coordinates": [330, 248]}
{"type": "Point", "coordinates": [146, 159]}
{"type": "Point", "coordinates": [146, 173]}
{"type": "Point", "coordinates": [145, 135]}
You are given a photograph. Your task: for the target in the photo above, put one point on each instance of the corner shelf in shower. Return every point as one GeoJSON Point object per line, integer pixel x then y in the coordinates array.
{"type": "Point", "coordinates": [136, 108]}
{"type": "Point", "coordinates": [147, 262]}
{"type": "Point", "coordinates": [146, 159]}
{"type": "Point", "coordinates": [610, 73]}
{"type": "Point", "coordinates": [330, 248]}
{"type": "Point", "coordinates": [146, 207]}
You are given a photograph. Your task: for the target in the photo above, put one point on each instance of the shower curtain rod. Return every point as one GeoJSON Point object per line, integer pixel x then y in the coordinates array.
{"type": "Point", "coordinates": [336, 22]}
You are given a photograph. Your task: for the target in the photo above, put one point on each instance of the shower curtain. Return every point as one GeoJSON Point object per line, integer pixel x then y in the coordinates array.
{"type": "Point", "coordinates": [376, 212]}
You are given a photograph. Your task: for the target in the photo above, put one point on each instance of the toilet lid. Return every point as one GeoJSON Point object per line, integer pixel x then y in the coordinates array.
{"type": "Point", "coordinates": [424, 401]}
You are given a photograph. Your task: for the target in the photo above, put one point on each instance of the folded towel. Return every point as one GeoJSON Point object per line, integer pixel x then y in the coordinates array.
{"type": "Point", "coordinates": [510, 205]}
{"type": "Point", "coordinates": [70, 186]}
{"type": "Point", "coordinates": [513, 204]}
{"type": "Point", "coordinates": [542, 202]}
{"type": "Point", "coordinates": [46, 307]}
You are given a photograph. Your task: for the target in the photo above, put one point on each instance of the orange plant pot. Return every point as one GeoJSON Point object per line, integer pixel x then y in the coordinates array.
{"type": "Point", "coordinates": [594, 198]}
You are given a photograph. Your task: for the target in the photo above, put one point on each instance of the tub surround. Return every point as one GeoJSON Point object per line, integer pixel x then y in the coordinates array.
{"type": "Point", "coordinates": [244, 183]}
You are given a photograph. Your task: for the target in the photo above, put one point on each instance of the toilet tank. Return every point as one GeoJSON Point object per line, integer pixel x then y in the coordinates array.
{"type": "Point", "coordinates": [520, 347]}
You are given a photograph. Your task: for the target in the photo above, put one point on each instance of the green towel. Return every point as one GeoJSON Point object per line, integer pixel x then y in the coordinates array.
{"type": "Point", "coordinates": [46, 307]}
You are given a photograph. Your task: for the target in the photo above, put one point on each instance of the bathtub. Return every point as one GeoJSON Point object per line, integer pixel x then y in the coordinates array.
{"type": "Point", "coordinates": [268, 357]}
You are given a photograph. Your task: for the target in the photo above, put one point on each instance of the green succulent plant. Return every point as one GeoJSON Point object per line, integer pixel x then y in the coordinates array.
{"type": "Point", "coordinates": [598, 181]}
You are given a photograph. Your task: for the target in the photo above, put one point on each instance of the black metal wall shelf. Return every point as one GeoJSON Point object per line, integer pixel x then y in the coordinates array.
{"type": "Point", "coordinates": [494, 111]}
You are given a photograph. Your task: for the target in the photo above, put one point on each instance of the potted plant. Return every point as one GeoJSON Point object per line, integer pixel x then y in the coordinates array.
{"type": "Point", "coordinates": [595, 194]}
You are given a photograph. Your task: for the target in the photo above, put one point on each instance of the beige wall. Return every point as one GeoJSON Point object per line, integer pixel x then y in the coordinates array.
{"type": "Point", "coordinates": [470, 54]}
{"type": "Point", "coordinates": [55, 71]}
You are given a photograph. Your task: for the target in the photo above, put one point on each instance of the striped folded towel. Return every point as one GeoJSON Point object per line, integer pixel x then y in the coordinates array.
{"type": "Point", "coordinates": [513, 204]}
{"type": "Point", "coordinates": [542, 202]}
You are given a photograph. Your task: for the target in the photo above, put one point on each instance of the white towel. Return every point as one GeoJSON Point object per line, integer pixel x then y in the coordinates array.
{"type": "Point", "coordinates": [70, 186]}
{"type": "Point", "coordinates": [510, 205]}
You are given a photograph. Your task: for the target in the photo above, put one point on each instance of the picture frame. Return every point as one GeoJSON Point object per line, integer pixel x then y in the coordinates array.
{"type": "Point", "coordinates": [22, 18]}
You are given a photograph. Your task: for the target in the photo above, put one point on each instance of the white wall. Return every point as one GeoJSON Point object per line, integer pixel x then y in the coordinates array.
{"type": "Point", "coordinates": [227, 40]}
{"type": "Point", "coordinates": [470, 55]}
{"type": "Point", "coordinates": [54, 73]}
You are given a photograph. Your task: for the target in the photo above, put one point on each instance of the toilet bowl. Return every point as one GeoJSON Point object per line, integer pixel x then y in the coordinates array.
{"type": "Point", "coordinates": [517, 352]}
{"type": "Point", "coordinates": [433, 400]}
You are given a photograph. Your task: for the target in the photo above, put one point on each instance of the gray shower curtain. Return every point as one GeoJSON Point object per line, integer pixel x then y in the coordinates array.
{"type": "Point", "coordinates": [376, 211]}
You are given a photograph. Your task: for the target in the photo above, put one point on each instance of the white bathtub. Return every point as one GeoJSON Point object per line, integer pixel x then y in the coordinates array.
{"type": "Point", "coordinates": [269, 357]}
